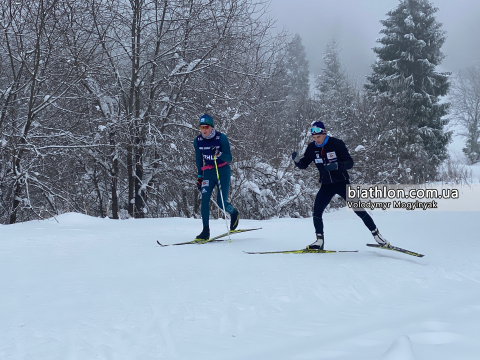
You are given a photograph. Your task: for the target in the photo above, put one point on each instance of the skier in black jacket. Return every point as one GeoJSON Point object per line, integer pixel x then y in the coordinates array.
{"type": "Point", "coordinates": [332, 160]}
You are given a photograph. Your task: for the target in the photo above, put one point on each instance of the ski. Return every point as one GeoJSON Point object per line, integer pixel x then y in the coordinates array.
{"type": "Point", "coordinates": [394, 248]}
{"type": "Point", "coordinates": [302, 251]}
{"type": "Point", "coordinates": [214, 239]}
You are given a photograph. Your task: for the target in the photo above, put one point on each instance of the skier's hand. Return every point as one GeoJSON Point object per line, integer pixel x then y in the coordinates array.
{"type": "Point", "coordinates": [215, 151]}
{"type": "Point", "coordinates": [199, 183]}
{"type": "Point", "coordinates": [295, 157]}
{"type": "Point", "coordinates": [331, 166]}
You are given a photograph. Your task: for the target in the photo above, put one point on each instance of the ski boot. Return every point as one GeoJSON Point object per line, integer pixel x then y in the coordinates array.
{"type": "Point", "coordinates": [234, 217]}
{"type": "Point", "coordinates": [379, 238]}
{"type": "Point", "coordinates": [318, 244]}
{"type": "Point", "coordinates": [204, 235]}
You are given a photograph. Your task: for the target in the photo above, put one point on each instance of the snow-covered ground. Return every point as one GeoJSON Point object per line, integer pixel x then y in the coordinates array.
{"type": "Point", "coordinates": [78, 287]}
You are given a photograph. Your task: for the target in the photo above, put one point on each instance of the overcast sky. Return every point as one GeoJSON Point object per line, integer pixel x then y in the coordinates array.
{"type": "Point", "coordinates": [356, 26]}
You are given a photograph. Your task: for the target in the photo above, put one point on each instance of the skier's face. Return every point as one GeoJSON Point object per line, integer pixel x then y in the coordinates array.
{"type": "Point", "coordinates": [320, 138]}
{"type": "Point", "coordinates": [206, 130]}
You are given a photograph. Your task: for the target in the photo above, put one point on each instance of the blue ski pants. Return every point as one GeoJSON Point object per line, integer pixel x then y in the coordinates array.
{"type": "Point", "coordinates": [209, 183]}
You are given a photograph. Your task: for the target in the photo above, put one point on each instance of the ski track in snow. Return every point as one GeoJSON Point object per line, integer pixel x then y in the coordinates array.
{"type": "Point", "coordinates": [89, 288]}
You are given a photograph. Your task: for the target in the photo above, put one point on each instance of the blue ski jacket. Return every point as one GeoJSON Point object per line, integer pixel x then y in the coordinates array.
{"type": "Point", "coordinates": [204, 154]}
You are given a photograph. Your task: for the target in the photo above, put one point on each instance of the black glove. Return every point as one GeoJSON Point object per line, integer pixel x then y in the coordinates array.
{"type": "Point", "coordinates": [215, 151]}
{"type": "Point", "coordinates": [331, 166]}
{"type": "Point", "coordinates": [296, 160]}
{"type": "Point", "coordinates": [199, 183]}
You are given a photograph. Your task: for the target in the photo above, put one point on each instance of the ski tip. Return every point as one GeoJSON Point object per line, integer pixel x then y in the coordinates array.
{"type": "Point", "coordinates": [242, 230]}
{"type": "Point", "coordinates": [395, 248]}
{"type": "Point", "coordinates": [159, 243]}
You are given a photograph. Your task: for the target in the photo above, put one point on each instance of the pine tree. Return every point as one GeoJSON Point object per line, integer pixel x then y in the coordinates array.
{"type": "Point", "coordinates": [333, 77]}
{"type": "Point", "coordinates": [465, 97]}
{"type": "Point", "coordinates": [299, 88]}
{"type": "Point", "coordinates": [405, 79]}
{"type": "Point", "coordinates": [288, 93]}
{"type": "Point", "coordinates": [296, 67]}
{"type": "Point", "coordinates": [335, 97]}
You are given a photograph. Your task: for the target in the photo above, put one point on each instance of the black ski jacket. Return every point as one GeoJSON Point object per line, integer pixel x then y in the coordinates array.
{"type": "Point", "coordinates": [333, 151]}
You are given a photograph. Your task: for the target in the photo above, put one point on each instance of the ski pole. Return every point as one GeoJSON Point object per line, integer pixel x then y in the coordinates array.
{"type": "Point", "coordinates": [221, 196]}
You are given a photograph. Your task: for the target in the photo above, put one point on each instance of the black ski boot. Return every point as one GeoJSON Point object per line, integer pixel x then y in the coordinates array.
{"type": "Point", "coordinates": [318, 244]}
{"type": "Point", "coordinates": [204, 235]}
{"type": "Point", "coordinates": [234, 219]}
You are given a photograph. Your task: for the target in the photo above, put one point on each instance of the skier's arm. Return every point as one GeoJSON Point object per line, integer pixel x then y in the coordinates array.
{"type": "Point", "coordinates": [198, 158]}
{"type": "Point", "coordinates": [304, 161]}
{"type": "Point", "coordinates": [225, 155]}
{"type": "Point", "coordinates": [345, 161]}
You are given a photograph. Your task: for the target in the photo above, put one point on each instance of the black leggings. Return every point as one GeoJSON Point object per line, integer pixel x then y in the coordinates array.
{"type": "Point", "coordinates": [325, 194]}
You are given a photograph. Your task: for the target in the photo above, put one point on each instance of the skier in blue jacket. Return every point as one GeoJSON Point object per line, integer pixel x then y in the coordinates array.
{"type": "Point", "coordinates": [332, 160]}
{"type": "Point", "coordinates": [208, 144]}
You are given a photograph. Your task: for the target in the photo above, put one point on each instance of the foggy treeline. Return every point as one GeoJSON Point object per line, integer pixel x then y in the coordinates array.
{"type": "Point", "coordinates": [100, 101]}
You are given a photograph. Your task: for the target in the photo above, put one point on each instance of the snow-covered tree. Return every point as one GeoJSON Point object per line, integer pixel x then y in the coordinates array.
{"type": "Point", "coordinates": [296, 70]}
{"type": "Point", "coordinates": [333, 77]}
{"type": "Point", "coordinates": [287, 93]}
{"type": "Point", "coordinates": [405, 76]}
{"type": "Point", "coordinates": [37, 80]}
{"type": "Point", "coordinates": [335, 95]}
{"type": "Point", "coordinates": [165, 77]}
{"type": "Point", "coordinates": [99, 102]}
{"type": "Point", "coordinates": [297, 76]}
{"type": "Point", "coordinates": [465, 97]}
{"type": "Point", "coordinates": [264, 183]}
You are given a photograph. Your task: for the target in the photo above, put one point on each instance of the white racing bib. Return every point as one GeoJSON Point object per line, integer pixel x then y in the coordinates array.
{"type": "Point", "coordinates": [331, 155]}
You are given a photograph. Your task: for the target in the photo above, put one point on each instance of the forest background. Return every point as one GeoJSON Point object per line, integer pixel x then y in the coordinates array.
{"type": "Point", "coordinates": [100, 101]}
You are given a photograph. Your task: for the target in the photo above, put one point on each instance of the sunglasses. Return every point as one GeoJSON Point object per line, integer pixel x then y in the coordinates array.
{"type": "Point", "coordinates": [204, 127]}
{"type": "Point", "coordinates": [317, 130]}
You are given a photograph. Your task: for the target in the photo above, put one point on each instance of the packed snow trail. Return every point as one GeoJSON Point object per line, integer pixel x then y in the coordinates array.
{"type": "Point", "coordinates": [90, 288]}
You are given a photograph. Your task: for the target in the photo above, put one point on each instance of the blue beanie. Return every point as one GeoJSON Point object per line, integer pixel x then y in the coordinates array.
{"type": "Point", "coordinates": [206, 120]}
{"type": "Point", "coordinates": [318, 128]}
